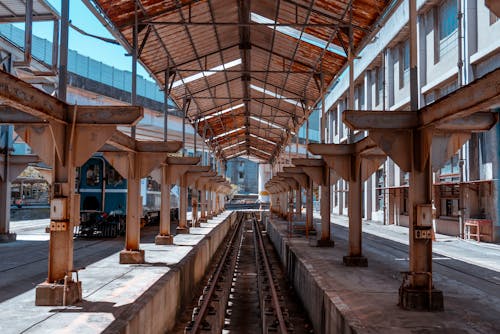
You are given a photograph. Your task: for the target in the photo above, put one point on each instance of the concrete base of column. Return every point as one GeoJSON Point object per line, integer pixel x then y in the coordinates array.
{"type": "Point", "coordinates": [322, 243]}
{"type": "Point", "coordinates": [421, 299]}
{"type": "Point", "coordinates": [132, 257]}
{"type": "Point", "coordinates": [210, 216]}
{"type": "Point", "coordinates": [196, 224]}
{"type": "Point", "coordinates": [7, 237]}
{"type": "Point", "coordinates": [164, 239]}
{"type": "Point", "coordinates": [355, 261]}
{"type": "Point", "coordinates": [202, 220]}
{"type": "Point", "coordinates": [181, 230]}
{"type": "Point", "coordinates": [48, 294]}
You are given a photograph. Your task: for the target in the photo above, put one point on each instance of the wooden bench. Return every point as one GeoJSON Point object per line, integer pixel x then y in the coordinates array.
{"type": "Point", "coordinates": [479, 228]}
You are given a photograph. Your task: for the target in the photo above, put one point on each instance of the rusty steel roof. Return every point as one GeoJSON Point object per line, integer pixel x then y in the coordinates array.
{"type": "Point", "coordinates": [15, 11]}
{"type": "Point", "coordinates": [276, 54]}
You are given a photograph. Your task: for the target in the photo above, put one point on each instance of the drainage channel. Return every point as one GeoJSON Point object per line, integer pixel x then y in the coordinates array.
{"type": "Point", "coordinates": [246, 291]}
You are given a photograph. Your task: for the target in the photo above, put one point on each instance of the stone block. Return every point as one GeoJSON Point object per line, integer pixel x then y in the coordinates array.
{"type": "Point", "coordinates": [164, 239]}
{"type": "Point", "coordinates": [322, 243]}
{"type": "Point", "coordinates": [421, 299]}
{"type": "Point", "coordinates": [49, 294]}
{"type": "Point", "coordinates": [180, 230]}
{"type": "Point", "coordinates": [355, 261]}
{"type": "Point", "coordinates": [132, 257]}
{"type": "Point", "coordinates": [7, 237]}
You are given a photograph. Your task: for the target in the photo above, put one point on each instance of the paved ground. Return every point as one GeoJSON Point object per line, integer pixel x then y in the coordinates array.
{"type": "Point", "coordinates": [467, 272]}
{"type": "Point", "coordinates": [108, 287]}
{"type": "Point", "coordinates": [482, 254]}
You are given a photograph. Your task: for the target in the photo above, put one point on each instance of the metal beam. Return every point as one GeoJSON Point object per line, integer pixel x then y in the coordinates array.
{"type": "Point", "coordinates": [480, 95]}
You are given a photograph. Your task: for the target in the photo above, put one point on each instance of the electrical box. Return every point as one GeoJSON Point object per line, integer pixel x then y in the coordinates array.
{"type": "Point", "coordinates": [59, 208]}
{"type": "Point", "coordinates": [423, 234]}
{"type": "Point", "coordinates": [424, 214]}
{"type": "Point", "coordinates": [58, 226]}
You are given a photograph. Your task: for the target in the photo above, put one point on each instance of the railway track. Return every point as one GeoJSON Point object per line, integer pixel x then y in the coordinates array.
{"type": "Point", "coordinates": [246, 291]}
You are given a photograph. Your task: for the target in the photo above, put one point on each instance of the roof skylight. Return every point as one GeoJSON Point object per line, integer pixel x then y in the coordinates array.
{"type": "Point", "coordinates": [263, 139]}
{"type": "Point", "coordinates": [305, 37]}
{"type": "Point", "coordinates": [218, 113]}
{"type": "Point", "coordinates": [263, 152]}
{"type": "Point", "coordinates": [236, 155]}
{"type": "Point", "coordinates": [208, 73]}
{"type": "Point", "coordinates": [233, 145]}
{"type": "Point", "coordinates": [276, 95]}
{"type": "Point", "coordinates": [226, 133]}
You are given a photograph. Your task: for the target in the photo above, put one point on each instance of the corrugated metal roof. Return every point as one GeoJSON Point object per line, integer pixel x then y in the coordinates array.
{"type": "Point", "coordinates": [10, 9]}
{"type": "Point", "coordinates": [282, 45]}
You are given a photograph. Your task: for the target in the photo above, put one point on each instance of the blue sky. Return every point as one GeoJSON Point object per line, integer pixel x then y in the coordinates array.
{"type": "Point", "coordinates": [110, 54]}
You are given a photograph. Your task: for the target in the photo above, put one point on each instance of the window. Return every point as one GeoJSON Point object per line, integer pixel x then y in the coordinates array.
{"type": "Point", "coordinates": [450, 172]}
{"type": "Point", "coordinates": [92, 175]}
{"type": "Point", "coordinates": [361, 95]}
{"type": "Point", "coordinates": [447, 18]}
{"type": "Point", "coordinates": [113, 178]}
{"type": "Point", "coordinates": [445, 27]}
{"type": "Point", "coordinates": [335, 195]}
{"type": "Point", "coordinates": [379, 85]}
{"type": "Point", "coordinates": [404, 63]}
{"type": "Point", "coordinates": [380, 191]}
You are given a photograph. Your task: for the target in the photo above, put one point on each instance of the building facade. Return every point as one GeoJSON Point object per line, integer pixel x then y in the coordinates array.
{"type": "Point", "coordinates": [243, 173]}
{"type": "Point", "coordinates": [458, 42]}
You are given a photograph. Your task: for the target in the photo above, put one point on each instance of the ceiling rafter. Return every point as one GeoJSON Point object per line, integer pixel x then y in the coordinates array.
{"type": "Point", "coordinates": [275, 68]}
{"type": "Point", "coordinates": [297, 45]}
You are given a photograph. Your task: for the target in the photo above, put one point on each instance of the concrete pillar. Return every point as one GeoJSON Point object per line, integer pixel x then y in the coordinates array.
{"type": "Point", "coordinates": [299, 201]}
{"type": "Point", "coordinates": [210, 203]}
{"type": "Point", "coordinates": [309, 206]}
{"type": "Point", "coordinates": [419, 293]}
{"type": "Point", "coordinates": [216, 196]}
{"type": "Point", "coordinates": [355, 257]}
{"type": "Point", "coordinates": [325, 239]}
{"type": "Point", "coordinates": [62, 217]}
{"type": "Point", "coordinates": [194, 205]}
{"type": "Point", "coordinates": [203, 204]}
{"type": "Point", "coordinates": [264, 176]}
{"type": "Point", "coordinates": [368, 193]}
{"type": "Point", "coordinates": [340, 192]}
{"type": "Point", "coordinates": [183, 198]}
{"type": "Point", "coordinates": [5, 191]}
{"type": "Point", "coordinates": [164, 237]}
{"type": "Point", "coordinates": [132, 252]}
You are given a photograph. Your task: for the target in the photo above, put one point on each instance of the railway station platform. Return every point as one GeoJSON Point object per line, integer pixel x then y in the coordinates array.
{"type": "Point", "coordinates": [342, 299]}
{"type": "Point", "coordinates": [119, 298]}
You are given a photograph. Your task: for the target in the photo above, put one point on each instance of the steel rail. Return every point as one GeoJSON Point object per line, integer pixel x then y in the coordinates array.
{"type": "Point", "coordinates": [214, 279]}
{"type": "Point", "coordinates": [269, 274]}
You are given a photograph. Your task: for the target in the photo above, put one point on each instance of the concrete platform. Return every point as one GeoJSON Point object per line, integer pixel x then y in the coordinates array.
{"type": "Point", "coordinates": [123, 298]}
{"type": "Point", "coordinates": [342, 299]}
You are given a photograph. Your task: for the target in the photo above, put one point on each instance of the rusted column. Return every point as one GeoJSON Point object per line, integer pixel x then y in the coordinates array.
{"type": "Point", "coordinates": [325, 208]}
{"type": "Point", "coordinates": [164, 237]}
{"type": "Point", "coordinates": [194, 205]}
{"type": "Point", "coordinates": [209, 202]}
{"type": "Point", "coordinates": [203, 218]}
{"type": "Point", "coordinates": [132, 252]}
{"type": "Point", "coordinates": [309, 207]}
{"type": "Point", "coordinates": [355, 257]}
{"type": "Point", "coordinates": [299, 202]}
{"type": "Point", "coordinates": [183, 198]}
